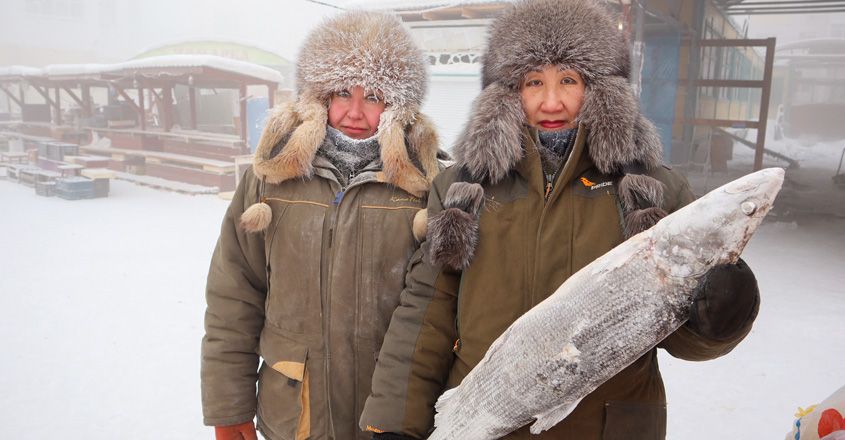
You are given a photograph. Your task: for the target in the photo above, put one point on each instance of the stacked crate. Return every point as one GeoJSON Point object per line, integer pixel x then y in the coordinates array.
{"type": "Point", "coordinates": [27, 175]}
{"type": "Point", "coordinates": [75, 188]}
{"type": "Point", "coordinates": [57, 150]}
{"type": "Point", "coordinates": [101, 178]}
{"type": "Point", "coordinates": [45, 183]}
{"type": "Point", "coordinates": [46, 189]}
{"type": "Point", "coordinates": [42, 149]}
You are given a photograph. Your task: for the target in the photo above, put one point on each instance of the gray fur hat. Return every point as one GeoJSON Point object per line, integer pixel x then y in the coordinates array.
{"type": "Point", "coordinates": [573, 34]}
{"type": "Point", "coordinates": [581, 35]}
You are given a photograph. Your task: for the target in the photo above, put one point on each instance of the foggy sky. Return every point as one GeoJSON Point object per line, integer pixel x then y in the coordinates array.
{"type": "Point", "coordinates": [104, 31]}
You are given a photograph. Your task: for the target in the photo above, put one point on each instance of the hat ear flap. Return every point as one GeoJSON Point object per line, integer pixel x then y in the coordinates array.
{"type": "Point", "coordinates": [609, 112]}
{"type": "Point", "coordinates": [295, 158]}
{"type": "Point", "coordinates": [649, 146]}
{"type": "Point", "coordinates": [423, 139]}
{"type": "Point", "coordinates": [398, 168]}
{"type": "Point", "coordinates": [278, 128]}
{"type": "Point", "coordinates": [489, 145]}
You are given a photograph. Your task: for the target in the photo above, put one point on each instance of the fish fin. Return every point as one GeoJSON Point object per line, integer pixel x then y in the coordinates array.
{"type": "Point", "coordinates": [552, 417]}
{"type": "Point", "coordinates": [442, 407]}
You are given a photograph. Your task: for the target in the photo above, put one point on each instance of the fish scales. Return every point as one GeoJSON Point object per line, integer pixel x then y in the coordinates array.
{"type": "Point", "coordinates": [603, 318]}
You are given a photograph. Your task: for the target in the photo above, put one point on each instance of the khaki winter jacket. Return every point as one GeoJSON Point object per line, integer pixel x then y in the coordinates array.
{"type": "Point", "coordinates": [310, 296]}
{"type": "Point", "coordinates": [529, 244]}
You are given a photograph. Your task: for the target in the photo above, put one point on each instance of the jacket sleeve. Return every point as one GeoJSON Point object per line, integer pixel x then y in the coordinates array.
{"type": "Point", "coordinates": [234, 316]}
{"type": "Point", "coordinates": [685, 343]}
{"type": "Point", "coordinates": [416, 356]}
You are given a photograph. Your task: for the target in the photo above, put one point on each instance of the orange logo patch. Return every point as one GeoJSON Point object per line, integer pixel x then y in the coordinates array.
{"type": "Point", "coordinates": [587, 182]}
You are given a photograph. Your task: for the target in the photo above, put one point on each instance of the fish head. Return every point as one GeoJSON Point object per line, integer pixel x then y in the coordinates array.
{"type": "Point", "coordinates": [714, 229]}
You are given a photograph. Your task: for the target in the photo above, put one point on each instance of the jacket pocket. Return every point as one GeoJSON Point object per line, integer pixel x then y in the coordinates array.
{"type": "Point", "coordinates": [386, 244]}
{"type": "Point", "coordinates": [283, 387]}
{"type": "Point", "coordinates": [294, 256]}
{"type": "Point", "coordinates": [634, 420]}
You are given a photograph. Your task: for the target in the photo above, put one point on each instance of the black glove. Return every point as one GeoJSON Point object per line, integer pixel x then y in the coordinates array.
{"type": "Point", "coordinates": [390, 436]}
{"type": "Point", "coordinates": [725, 302]}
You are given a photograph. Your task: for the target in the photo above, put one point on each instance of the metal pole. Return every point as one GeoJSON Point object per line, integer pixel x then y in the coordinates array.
{"type": "Point", "coordinates": [243, 128]}
{"type": "Point", "coordinates": [87, 109]}
{"type": "Point", "coordinates": [693, 73]}
{"type": "Point", "coordinates": [167, 104]}
{"type": "Point", "coordinates": [764, 103]}
{"type": "Point", "coordinates": [142, 106]}
{"type": "Point", "coordinates": [192, 97]}
{"type": "Point", "coordinates": [638, 48]}
{"type": "Point", "coordinates": [58, 106]}
{"type": "Point", "coordinates": [271, 96]}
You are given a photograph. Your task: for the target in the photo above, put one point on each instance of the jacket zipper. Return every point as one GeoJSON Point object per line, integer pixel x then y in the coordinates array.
{"type": "Point", "coordinates": [327, 341]}
{"type": "Point", "coordinates": [327, 313]}
{"type": "Point", "coordinates": [457, 347]}
{"type": "Point", "coordinates": [550, 185]}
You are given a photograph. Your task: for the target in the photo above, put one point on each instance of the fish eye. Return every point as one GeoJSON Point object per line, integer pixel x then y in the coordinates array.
{"type": "Point", "coordinates": [748, 207]}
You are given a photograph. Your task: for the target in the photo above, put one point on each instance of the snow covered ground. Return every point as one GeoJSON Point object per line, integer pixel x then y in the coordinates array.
{"type": "Point", "coordinates": [809, 186]}
{"type": "Point", "coordinates": [794, 354]}
{"type": "Point", "coordinates": [102, 305]}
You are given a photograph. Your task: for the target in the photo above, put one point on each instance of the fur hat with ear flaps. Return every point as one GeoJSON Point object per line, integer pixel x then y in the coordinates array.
{"type": "Point", "coordinates": [572, 34]}
{"type": "Point", "coordinates": [367, 49]}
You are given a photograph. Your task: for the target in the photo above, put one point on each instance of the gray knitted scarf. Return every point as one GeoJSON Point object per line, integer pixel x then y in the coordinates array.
{"type": "Point", "coordinates": [348, 155]}
{"type": "Point", "coordinates": [554, 147]}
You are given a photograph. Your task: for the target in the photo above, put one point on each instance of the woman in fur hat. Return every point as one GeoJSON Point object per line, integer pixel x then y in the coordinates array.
{"type": "Point", "coordinates": [313, 249]}
{"type": "Point", "coordinates": [555, 167]}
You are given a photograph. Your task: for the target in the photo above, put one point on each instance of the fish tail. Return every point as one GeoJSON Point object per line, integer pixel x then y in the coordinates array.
{"type": "Point", "coordinates": [444, 408]}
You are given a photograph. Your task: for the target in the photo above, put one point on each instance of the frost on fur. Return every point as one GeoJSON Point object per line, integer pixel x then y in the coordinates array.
{"type": "Point", "coordinates": [368, 49]}
{"type": "Point", "coordinates": [489, 145]}
{"type": "Point", "coordinates": [453, 236]}
{"type": "Point", "coordinates": [468, 197]}
{"type": "Point", "coordinates": [453, 233]}
{"type": "Point", "coordinates": [641, 219]}
{"type": "Point", "coordinates": [638, 191]}
{"type": "Point", "coordinates": [530, 36]}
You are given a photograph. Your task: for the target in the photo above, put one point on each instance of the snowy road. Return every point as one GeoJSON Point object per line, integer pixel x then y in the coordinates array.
{"type": "Point", "coordinates": [102, 306]}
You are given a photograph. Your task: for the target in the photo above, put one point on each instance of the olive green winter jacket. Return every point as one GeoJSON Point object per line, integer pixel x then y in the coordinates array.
{"type": "Point", "coordinates": [530, 242]}
{"type": "Point", "coordinates": [310, 296]}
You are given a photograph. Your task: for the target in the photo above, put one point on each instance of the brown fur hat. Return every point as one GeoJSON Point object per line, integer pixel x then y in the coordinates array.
{"type": "Point", "coordinates": [368, 49]}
